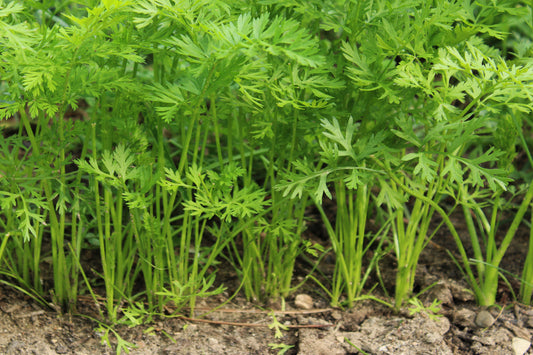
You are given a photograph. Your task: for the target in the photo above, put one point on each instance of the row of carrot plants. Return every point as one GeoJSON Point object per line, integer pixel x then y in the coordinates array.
{"type": "Point", "coordinates": [169, 137]}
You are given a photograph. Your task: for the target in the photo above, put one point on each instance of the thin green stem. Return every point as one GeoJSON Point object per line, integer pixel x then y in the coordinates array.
{"type": "Point", "coordinates": [216, 128]}
{"type": "Point", "coordinates": [55, 224]}
{"type": "Point", "coordinates": [526, 287]}
{"type": "Point", "coordinates": [471, 278]}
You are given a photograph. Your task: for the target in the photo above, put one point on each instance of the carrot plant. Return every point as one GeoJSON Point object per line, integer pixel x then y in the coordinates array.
{"type": "Point", "coordinates": [48, 71]}
{"type": "Point", "coordinates": [245, 51]}
{"type": "Point", "coordinates": [502, 88]}
{"type": "Point", "coordinates": [434, 86]}
{"type": "Point", "coordinates": [484, 215]}
{"type": "Point", "coordinates": [345, 166]}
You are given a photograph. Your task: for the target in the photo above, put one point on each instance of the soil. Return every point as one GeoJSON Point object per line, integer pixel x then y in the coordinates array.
{"type": "Point", "coordinates": [312, 327]}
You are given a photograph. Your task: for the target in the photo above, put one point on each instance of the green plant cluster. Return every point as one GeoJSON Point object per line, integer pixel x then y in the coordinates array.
{"type": "Point", "coordinates": [166, 137]}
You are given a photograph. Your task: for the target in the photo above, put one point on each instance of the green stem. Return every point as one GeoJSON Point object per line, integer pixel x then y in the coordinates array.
{"type": "Point", "coordinates": [519, 216]}
{"type": "Point", "coordinates": [216, 128]}
{"type": "Point", "coordinates": [526, 288]}
{"type": "Point", "coordinates": [474, 238]}
{"type": "Point", "coordinates": [471, 278]}
{"type": "Point", "coordinates": [55, 224]}
{"type": "Point", "coordinates": [341, 267]}
{"type": "Point", "coordinates": [489, 282]}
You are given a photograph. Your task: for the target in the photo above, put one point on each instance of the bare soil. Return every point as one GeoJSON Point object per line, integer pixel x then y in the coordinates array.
{"type": "Point", "coordinates": [240, 327]}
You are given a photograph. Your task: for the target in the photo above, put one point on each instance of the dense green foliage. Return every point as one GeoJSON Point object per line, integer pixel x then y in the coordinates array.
{"type": "Point", "coordinates": [170, 136]}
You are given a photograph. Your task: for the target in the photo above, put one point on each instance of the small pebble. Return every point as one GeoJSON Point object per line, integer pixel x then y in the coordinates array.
{"type": "Point", "coordinates": [303, 301]}
{"type": "Point", "coordinates": [520, 346]}
{"type": "Point", "coordinates": [383, 349]}
{"type": "Point", "coordinates": [484, 319]}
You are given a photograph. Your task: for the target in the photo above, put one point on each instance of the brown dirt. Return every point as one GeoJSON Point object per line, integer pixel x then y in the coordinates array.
{"type": "Point", "coordinates": [242, 328]}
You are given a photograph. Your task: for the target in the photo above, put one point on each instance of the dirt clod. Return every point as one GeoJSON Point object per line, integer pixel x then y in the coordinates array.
{"type": "Point", "coordinates": [442, 293]}
{"type": "Point", "coordinates": [464, 317]}
{"type": "Point", "coordinates": [314, 341]}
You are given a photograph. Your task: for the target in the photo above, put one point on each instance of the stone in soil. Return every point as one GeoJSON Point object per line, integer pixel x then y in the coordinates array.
{"type": "Point", "coordinates": [303, 301]}
{"type": "Point", "coordinates": [484, 319]}
{"type": "Point", "coordinates": [520, 346]}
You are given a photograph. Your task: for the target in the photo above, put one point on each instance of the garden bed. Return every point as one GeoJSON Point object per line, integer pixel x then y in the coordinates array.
{"type": "Point", "coordinates": [267, 176]}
